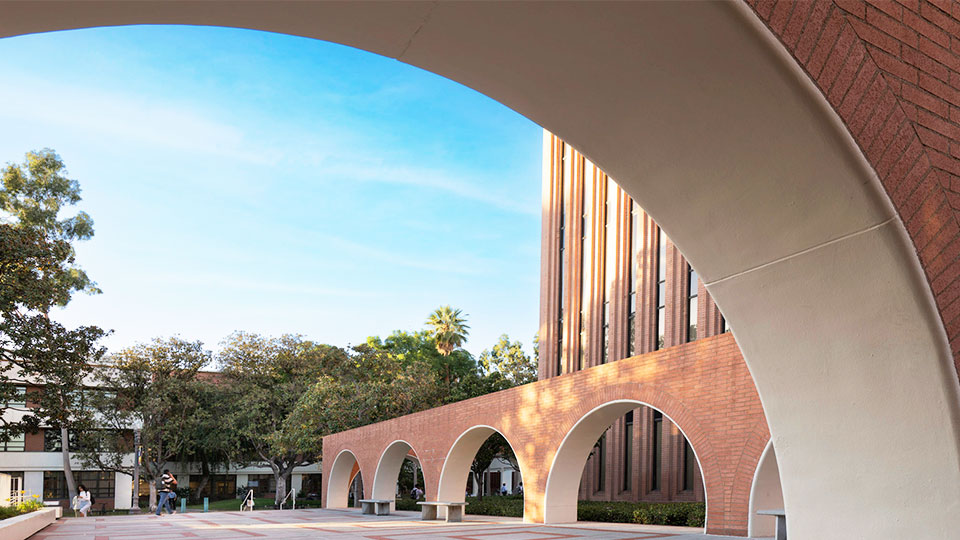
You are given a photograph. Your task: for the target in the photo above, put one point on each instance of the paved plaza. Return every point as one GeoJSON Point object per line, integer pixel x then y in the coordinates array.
{"type": "Point", "coordinates": [342, 525]}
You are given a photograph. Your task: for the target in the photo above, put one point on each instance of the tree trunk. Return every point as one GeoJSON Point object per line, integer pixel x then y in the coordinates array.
{"type": "Point", "coordinates": [67, 470]}
{"type": "Point", "coordinates": [204, 480]}
{"type": "Point", "coordinates": [153, 495]}
{"type": "Point", "coordinates": [281, 488]}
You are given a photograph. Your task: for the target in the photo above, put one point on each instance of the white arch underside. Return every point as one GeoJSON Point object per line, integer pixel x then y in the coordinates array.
{"type": "Point", "coordinates": [563, 480]}
{"type": "Point", "coordinates": [338, 485]}
{"type": "Point", "coordinates": [706, 121]}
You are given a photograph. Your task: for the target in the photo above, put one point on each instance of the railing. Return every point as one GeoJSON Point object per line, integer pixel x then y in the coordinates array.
{"type": "Point", "coordinates": [247, 501]}
{"type": "Point", "coordinates": [293, 491]}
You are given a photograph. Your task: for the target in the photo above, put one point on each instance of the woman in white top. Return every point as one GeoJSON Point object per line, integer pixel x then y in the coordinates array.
{"type": "Point", "coordinates": [83, 500]}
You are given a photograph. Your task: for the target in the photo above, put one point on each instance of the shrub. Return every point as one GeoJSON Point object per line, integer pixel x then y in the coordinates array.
{"type": "Point", "coordinates": [678, 513]}
{"type": "Point", "coordinates": [607, 511]}
{"type": "Point", "coordinates": [509, 506]}
{"type": "Point", "coordinates": [404, 503]}
{"type": "Point", "coordinates": [30, 505]}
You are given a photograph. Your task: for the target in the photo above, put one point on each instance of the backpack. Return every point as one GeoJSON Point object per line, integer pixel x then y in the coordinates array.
{"type": "Point", "coordinates": [92, 500]}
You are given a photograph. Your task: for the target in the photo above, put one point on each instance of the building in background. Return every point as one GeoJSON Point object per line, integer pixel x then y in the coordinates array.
{"type": "Point", "coordinates": [612, 286]}
{"type": "Point", "coordinates": [35, 464]}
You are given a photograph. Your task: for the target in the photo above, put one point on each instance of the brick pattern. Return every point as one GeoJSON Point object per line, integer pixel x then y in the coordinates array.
{"type": "Point", "coordinates": [891, 70]}
{"type": "Point", "coordinates": [704, 387]}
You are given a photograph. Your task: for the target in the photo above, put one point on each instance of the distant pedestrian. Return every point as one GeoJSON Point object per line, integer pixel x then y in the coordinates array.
{"type": "Point", "coordinates": [503, 490]}
{"type": "Point", "coordinates": [167, 484]}
{"type": "Point", "coordinates": [520, 488]}
{"type": "Point", "coordinates": [81, 503]}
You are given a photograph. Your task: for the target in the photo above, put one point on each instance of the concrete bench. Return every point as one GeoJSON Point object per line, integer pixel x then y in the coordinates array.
{"type": "Point", "coordinates": [454, 510]}
{"type": "Point", "coordinates": [781, 521]}
{"type": "Point", "coordinates": [380, 507]}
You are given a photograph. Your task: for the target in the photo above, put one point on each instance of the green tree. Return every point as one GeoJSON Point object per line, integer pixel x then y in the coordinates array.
{"type": "Point", "coordinates": [496, 446]}
{"type": "Point", "coordinates": [37, 271]}
{"type": "Point", "coordinates": [508, 359]}
{"type": "Point", "coordinates": [32, 196]}
{"type": "Point", "coordinates": [449, 327]}
{"type": "Point", "coordinates": [456, 371]}
{"type": "Point", "coordinates": [153, 388]}
{"type": "Point", "coordinates": [268, 377]}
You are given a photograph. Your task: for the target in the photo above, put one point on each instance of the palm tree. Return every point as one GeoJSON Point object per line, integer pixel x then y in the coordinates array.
{"type": "Point", "coordinates": [449, 328]}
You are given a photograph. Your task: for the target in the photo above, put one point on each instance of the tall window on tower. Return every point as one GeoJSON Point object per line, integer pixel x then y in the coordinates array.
{"type": "Point", "coordinates": [608, 250]}
{"type": "Point", "coordinates": [692, 289]}
{"type": "Point", "coordinates": [656, 444]}
{"type": "Point", "coordinates": [689, 462]}
{"type": "Point", "coordinates": [661, 288]}
{"type": "Point", "coordinates": [586, 198]}
{"type": "Point", "coordinates": [627, 452]}
{"type": "Point", "coordinates": [601, 474]}
{"type": "Point", "coordinates": [563, 239]}
{"type": "Point", "coordinates": [632, 279]}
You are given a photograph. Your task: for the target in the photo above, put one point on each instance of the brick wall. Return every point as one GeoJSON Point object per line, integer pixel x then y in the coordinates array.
{"type": "Point", "coordinates": [891, 70]}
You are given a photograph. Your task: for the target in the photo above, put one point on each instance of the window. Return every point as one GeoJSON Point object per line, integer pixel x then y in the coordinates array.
{"type": "Point", "coordinates": [608, 265]}
{"type": "Point", "coordinates": [661, 288]}
{"type": "Point", "coordinates": [585, 230]}
{"type": "Point", "coordinates": [562, 277]}
{"type": "Point", "coordinates": [692, 307]}
{"type": "Point", "coordinates": [262, 484]}
{"type": "Point", "coordinates": [51, 440]}
{"type": "Point", "coordinates": [627, 452]}
{"type": "Point", "coordinates": [655, 448]}
{"type": "Point", "coordinates": [601, 449]}
{"type": "Point", "coordinates": [17, 443]}
{"type": "Point", "coordinates": [101, 484]}
{"type": "Point", "coordinates": [19, 398]}
{"type": "Point", "coordinates": [631, 278]}
{"type": "Point", "coordinates": [689, 463]}
{"type": "Point", "coordinates": [724, 327]}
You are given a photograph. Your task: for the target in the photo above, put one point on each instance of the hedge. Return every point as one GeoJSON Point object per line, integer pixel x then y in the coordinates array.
{"type": "Point", "coordinates": [673, 513]}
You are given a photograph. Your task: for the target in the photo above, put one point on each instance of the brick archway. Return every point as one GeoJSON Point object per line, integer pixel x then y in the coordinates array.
{"type": "Point", "coordinates": [704, 387]}
{"type": "Point", "coordinates": [456, 466]}
{"type": "Point", "coordinates": [388, 469]}
{"type": "Point", "coordinates": [340, 474]}
{"type": "Point", "coordinates": [560, 492]}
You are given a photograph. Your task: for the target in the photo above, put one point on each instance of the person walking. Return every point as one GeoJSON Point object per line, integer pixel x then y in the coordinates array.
{"type": "Point", "coordinates": [503, 490]}
{"type": "Point", "coordinates": [82, 502]}
{"type": "Point", "coordinates": [167, 484]}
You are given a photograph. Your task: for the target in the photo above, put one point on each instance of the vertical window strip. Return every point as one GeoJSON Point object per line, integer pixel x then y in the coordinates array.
{"type": "Point", "coordinates": [562, 171]}
{"type": "Point", "coordinates": [586, 202]}
{"type": "Point", "coordinates": [661, 288]}
{"type": "Point", "coordinates": [692, 303]}
{"type": "Point", "coordinates": [656, 448]}
{"type": "Point", "coordinates": [632, 274]}
{"type": "Point", "coordinates": [627, 452]}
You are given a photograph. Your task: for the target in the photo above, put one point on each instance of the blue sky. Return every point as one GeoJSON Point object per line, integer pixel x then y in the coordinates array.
{"type": "Point", "coordinates": [243, 180]}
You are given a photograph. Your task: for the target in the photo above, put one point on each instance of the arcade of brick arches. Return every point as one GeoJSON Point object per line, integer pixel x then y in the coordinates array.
{"type": "Point", "coordinates": [804, 158]}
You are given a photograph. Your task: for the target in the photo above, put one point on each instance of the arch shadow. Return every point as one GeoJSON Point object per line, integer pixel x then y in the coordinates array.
{"type": "Point", "coordinates": [563, 480]}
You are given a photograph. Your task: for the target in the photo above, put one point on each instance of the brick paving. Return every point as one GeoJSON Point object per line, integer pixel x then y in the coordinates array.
{"type": "Point", "coordinates": [342, 525]}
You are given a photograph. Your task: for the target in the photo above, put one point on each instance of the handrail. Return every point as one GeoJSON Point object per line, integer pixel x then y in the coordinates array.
{"type": "Point", "coordinates": [293, 491]}
{"type": "Point", "coordinates": [249, 505]}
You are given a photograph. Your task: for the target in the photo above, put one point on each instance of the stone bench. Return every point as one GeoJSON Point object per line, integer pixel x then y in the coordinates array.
{"type": "Point", "coordinates": [454, 510]}
{"type": "Point", "coordinates": [380, 507]}
{"type": "Point", "coordinates": [781, 521]}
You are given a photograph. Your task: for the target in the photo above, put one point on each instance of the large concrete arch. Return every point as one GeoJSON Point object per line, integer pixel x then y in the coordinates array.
{"type": "Point", "coordinates": [339, 478]}
{"type": "Point", "coordinates": [456, 466]}
{"type": "Point", "coordinates": [388, 469]}
{"type": "Point", "coordinates": [823, 230]}
{"type": "Point", "coordinates": [563, 480]}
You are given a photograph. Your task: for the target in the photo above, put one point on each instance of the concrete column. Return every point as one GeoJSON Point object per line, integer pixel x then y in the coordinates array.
{"type": "Point", "coordinates": [242, 480]}
{"type": "Point", "coordinates": [122, 491]}
{"type": "Point", "coordinates": [296, 481]}
{"type": "Point", "coordinates": [33, 482]}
